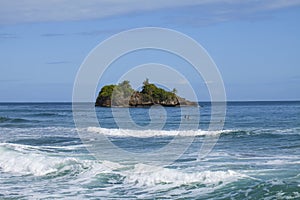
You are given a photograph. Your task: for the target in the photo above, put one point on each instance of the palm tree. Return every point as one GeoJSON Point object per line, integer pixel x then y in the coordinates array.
{"type": "Point", "coordinates": [146, 82]}
{"type": "Point", "coordinates": [174, 91]}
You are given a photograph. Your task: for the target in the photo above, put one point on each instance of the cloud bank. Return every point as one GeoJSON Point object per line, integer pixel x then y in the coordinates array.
{"type": "Point", "coordinates": [26, 11]}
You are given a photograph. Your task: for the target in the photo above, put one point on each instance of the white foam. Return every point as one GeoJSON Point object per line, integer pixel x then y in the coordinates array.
{"type": "Point", "coordinates": [150, 133]}
{"type": "Point", "coordinates": [21, 159]}
{"type": "Point", "coordinates": [25, 159]}
{"type": "Point", "coordinates": [145, 175]}
{"type": "Point", "coordinates": [36, 164]}
{"type": "Point", "coordinates": [282, 162]}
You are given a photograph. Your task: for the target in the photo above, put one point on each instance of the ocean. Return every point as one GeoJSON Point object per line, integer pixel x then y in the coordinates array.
{"type": "Point", "coordinates": [43, 156]}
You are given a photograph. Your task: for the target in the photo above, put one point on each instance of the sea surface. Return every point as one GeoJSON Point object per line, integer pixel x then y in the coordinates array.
{"type": "Point", "coordinates": [257, 155]}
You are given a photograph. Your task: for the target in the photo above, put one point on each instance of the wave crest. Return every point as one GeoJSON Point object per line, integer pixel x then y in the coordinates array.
{"type": "Point", "coordinates": [151, 133]}
{"type": "Point", "coordinates": [146, 175]}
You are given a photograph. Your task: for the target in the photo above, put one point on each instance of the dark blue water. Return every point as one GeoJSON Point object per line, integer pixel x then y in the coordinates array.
{"type": "Point", "coordinates": [257, 155]}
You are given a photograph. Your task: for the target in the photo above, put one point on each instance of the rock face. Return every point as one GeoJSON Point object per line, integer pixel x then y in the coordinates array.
{"type": "Point", "coordinates": [138, 99]}
{"type": "Point", "coordinates": [103, 102]}
{"type": "Point", "coordinates": [122, 95]}
{"type": "Point", "coordinates": [184, 102]}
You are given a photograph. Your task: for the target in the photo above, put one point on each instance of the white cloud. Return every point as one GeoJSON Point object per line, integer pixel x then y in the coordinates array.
{"type": "Point", "coordinates": [18, 11]}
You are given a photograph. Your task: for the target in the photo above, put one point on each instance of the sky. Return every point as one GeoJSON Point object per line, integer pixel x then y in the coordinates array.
{"type": "Point", "coordinates": [254, 44]}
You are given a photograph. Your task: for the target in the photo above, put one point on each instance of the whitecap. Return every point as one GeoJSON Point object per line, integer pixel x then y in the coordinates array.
{"type": "Point", "coordinates": [151, 133]}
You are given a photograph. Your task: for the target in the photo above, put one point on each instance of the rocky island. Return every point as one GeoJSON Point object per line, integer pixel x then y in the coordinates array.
{"type": "Point", "coordinates": [122, 95]}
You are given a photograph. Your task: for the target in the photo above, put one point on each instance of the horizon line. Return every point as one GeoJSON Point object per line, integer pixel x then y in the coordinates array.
{"type": "Point", "coordinates": [203, 101]}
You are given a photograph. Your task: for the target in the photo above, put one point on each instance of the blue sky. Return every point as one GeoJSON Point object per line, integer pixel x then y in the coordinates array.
{"type": "Point", "coordinates": [255, 44]}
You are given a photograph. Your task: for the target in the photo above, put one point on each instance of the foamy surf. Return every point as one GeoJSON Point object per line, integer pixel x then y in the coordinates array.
{"type": "Point", "coordinates": [147, 175]}
{"type": "Point", "coordinates": [152, 133]}
{"type": "Point", "coordinates": [256, 156]}
{"type": "Point", "coordinates": [28, 160]}
{"type": "Point", "coordinates": [25, 160]}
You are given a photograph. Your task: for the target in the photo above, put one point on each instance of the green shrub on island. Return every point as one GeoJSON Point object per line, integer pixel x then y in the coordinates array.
{"type": "Point", "coordinates": [157, 95]}
{"type": "Point", "coordinates": [107, 91]}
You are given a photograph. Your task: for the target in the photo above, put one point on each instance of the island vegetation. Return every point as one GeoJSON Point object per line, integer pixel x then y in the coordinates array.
{"type": "Point", "coordinates": [123, 95]}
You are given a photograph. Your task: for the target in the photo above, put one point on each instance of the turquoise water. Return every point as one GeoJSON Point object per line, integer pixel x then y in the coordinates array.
{"type": "Point", "coordinates": [256, 157]}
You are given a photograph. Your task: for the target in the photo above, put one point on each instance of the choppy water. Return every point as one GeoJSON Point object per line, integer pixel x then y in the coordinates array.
{"type": "Point", "coordinates": [256, 157]}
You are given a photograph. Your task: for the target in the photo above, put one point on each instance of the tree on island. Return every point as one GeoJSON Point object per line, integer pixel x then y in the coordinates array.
{"type": "Point", "coordinates": [174, 91]}
{"type": "Point", "coordinates": [114, 95]}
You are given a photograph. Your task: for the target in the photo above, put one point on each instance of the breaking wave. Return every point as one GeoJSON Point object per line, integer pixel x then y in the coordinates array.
{"type": "Point", "coordinates": [151, 133]}
{"type": "Point", "coordinates": [30, 160]}
{"type": "Point", "coordinates": [189, 133]}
